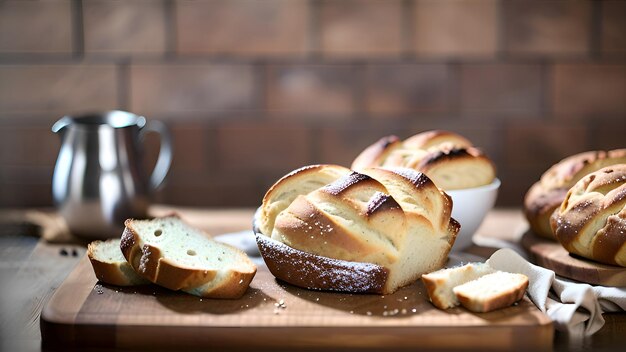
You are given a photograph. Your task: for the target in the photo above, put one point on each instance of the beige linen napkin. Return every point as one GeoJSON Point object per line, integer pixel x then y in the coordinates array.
{"type": "Point", "coordinates": [573, 307]}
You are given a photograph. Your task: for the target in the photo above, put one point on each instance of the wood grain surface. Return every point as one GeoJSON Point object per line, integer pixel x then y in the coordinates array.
{"type": "Point", "coordinates": [86, 313]}
{"type": "Point", "coordinates": [551, 255]}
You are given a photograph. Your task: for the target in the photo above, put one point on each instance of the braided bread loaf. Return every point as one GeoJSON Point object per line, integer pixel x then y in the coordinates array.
{"type": "Point", "coordinates": [448, 159]}
{"type": "Point", "coordinates": [373, 231]}
{"type": "Point", "coordinates": [591, 221]}
{"type": "Point", "coordinates": [546, 195]}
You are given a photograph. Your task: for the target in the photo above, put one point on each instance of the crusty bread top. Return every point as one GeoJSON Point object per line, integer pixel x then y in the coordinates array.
{"type": "Point", "coordinates": [447, 158]}
{"type": "Point", "coordinates": [396, 219]}
{"type": "Point", "coordinates": [591, 221]}
{"type": "Point", "coordinates": [546, 195]}
{"type": "Point", "coordinates": [286, 189]}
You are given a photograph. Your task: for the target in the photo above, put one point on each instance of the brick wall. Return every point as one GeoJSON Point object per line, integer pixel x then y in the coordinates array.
{"type": "Point", "coordinates": [252, 89]}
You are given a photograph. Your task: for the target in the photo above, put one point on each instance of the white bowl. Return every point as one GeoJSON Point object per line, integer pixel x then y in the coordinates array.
{"type": "Point", "coordinates": [470, 206]}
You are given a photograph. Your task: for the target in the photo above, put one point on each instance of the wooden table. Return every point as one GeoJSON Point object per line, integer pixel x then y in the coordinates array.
{"type": "Point", "coordinates": [31, 269]}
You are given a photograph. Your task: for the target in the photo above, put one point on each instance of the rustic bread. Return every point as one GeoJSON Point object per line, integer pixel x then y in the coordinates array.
{"type": "Point", "coordinates": [172, 254]}
{"type": "Point", "coordinates": [110, 266]}
{"type": "Point", "coordinates": [547, 194]}
{"type": "Point", "coordinates": [492, 291]}
{"type": "Point", "coordinates": [448, 159]}
{"type": "Point", "coordinates": [300, 181]}
{"type": "Point", "coordinates": [440, 284]}
{"type": "Point", "coordinates": [364, 232]}
{"type": "Point", "coordinates": [591, 221]}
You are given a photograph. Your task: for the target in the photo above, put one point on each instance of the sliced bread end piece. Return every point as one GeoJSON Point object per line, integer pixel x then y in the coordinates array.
{"type": "Point", "coordinates": [439, 284]}
{"type": "Point", "coordinates": [493, 291]}
{"type": "Point", "coordinates": [172, 254]}
{"type": "Point", "coordinates": [110, 266]}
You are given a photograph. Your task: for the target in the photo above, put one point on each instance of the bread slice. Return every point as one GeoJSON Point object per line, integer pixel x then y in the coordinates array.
{"type": "Point", "coordinates": [172, 254]}
{"type": "Point", "coordinates": [110, 266]}
{"type": "Point", "coordinates": [492, 291]}
{"type": "Point", "coordinates": [440, 284]}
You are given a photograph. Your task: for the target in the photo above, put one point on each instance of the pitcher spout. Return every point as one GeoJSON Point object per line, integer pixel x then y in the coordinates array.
{"type": "Point", "coordinates": [61, 124]}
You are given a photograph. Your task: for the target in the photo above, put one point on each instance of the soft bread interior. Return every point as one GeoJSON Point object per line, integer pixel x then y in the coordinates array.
{"type": "Point", "coordinates": [188, 247]}
{"type": "Point", "coordinates": [108, 251]}
{"type": "Point", "coordinates": [440, 283]}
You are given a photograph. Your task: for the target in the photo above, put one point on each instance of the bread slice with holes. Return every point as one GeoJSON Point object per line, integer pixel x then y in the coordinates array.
{"type": "Point", "coordinates": [110, 266]}
{"type": "Point", "coordinates": [492, 291]}
{"type": "Point", "coordinates": [172, 254]}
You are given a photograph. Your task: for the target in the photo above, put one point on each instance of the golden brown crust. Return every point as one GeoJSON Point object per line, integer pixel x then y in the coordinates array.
{"type": "Point", "coordinates": [591, 221]}
{"type": "Point", "coordinates": [288, 187]}
{"type": "Point", "coordinates": [546, 195]}
{"type": "Point", "coordinates": [111, 273]}
{"type": "Point", "coordinates": [447, 158]}
{"type": "Point", "coordinates": [375, 154]}
{"type": "Point", "coordinates": [436, 138]}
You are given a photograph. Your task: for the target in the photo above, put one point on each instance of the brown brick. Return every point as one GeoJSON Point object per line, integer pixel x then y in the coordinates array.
{"type": "Point", "coordinates": [558, 27]}
{"type": "Point", "coordinates": [399, 89]}
{"type": "Point", "coordinates": [311, 89]}
{"type": "Point", "coordinates": [28, 144]}
{"type": "Point", "coordinates": [455, 28]}
{"type": "Point", "coordinates": [260, 147]}
{"type": "Point", "coordinates": [529, 144]}
{"type": "Point", "coordinates": [505, 88]}
{"type": "Point", "coordinates": [25, 186]}
{"type": "Point", "coordinates": [341, 143]}
{"type": "Point", "coordinates": [243, 27]}
{"type": "Point", "coordinates": [592, 90]}
{"type": "Point", "coordinates": [57, 89]}
{"type": "Point", "coordinates": [515, 184]}
{"type": "Point", "coordinates": [123, 27]}
{"type": "Point", "coordinates": [361, 28]}
{"type": "Point", "coordinates": [192, 88]}
{"type": "Point", "coordinates": [613, 27]}
{"type": "Point", "coordinates": [607, 134]}
{"type": "Point", "coordinates": [211, 191]}
{"type": "Point", "coordinates": [36, 26]}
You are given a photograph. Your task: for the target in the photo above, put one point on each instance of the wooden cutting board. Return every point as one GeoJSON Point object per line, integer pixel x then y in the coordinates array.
{"type": "Point", "coordinates": [551, 255]}
{"type": "Point", "coordinates": [86, 313]}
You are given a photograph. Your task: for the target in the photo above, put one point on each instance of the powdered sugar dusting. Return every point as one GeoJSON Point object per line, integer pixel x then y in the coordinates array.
{"type": "Point", "coordinates": [321, 273]}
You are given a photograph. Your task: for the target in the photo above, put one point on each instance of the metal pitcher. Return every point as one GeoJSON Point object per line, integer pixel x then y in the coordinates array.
{"type": "Point", "coordinates": [98, 179]}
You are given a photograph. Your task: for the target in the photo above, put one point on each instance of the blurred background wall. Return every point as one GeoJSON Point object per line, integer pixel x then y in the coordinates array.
{"type": "Point", "coordinates": [253, 89]}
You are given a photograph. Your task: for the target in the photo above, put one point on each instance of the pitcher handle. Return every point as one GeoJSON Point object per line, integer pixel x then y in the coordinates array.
{"type": "Point", "coordinates": [165, 153]}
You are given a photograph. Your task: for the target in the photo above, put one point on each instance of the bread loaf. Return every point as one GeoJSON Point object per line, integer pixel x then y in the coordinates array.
{"type": "Point", "coordinates": [110, 266]}
{"type": "Point", "coordinates": [448, 159]}
{"type": "Point", "coordinates": [172, 254]}
{"type": "Point", "coordinates": [373, 231]}
{"type": "Point", "coordinates": [591, 221]}
{"type": "Point", "coordinates": [547, 194]}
